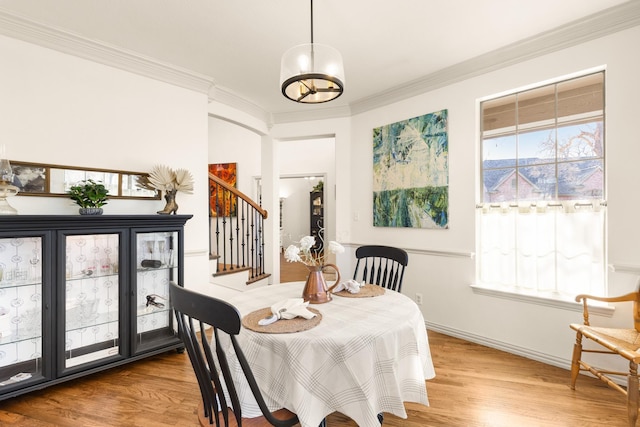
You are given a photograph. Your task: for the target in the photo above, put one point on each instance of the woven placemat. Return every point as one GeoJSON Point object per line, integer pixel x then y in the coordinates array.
{"type": "Point", "coordinates": [284, 326]}
{"type": "Point", "coordinates": [367, 290]}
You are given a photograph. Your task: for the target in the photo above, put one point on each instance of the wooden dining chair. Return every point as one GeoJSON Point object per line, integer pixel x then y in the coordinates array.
{"type": "Point", "coordinates": [191, 309]}
{"type": "Point", "coordinates": [620, 342]}
{"type": "Point", "coordinates": [381, 265]}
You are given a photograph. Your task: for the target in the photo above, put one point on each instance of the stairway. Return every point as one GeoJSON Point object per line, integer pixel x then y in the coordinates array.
{"type": "Point", "coordinates": [233, 278]}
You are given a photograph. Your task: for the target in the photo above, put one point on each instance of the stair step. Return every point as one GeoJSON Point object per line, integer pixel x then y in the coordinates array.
{"type": "Point", "coordinates": [258, 278]}
{"type": "Point", "coordinates": [229, 269]}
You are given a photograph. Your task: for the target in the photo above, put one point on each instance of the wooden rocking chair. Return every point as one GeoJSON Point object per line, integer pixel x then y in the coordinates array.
{"type": "Point", "coordinates": [621, 342]}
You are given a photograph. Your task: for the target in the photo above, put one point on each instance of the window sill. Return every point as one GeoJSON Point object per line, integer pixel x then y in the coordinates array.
{"type": "Point", "coordinates": [548, 299]}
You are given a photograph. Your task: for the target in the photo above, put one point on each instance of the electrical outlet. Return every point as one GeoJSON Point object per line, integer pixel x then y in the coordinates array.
{"type": "Point", "coordinates": [419, 299]}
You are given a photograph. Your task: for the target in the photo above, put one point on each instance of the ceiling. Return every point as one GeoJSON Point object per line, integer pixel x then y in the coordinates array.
{"type": "Point", "coordinates": [238, 44]}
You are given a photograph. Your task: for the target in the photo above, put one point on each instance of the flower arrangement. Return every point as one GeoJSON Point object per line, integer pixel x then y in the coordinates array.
{"type": "Point", "coordinates": [309, 256]}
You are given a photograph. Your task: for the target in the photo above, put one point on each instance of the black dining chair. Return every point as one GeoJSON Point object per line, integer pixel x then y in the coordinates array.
{"type": "Point", "coordinates": [192, 308]}
{"type": "Point", "coordinates": [381, 265]}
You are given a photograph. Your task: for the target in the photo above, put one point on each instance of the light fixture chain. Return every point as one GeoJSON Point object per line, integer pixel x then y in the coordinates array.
{"type": "Point", "coordinates": [311, 21]}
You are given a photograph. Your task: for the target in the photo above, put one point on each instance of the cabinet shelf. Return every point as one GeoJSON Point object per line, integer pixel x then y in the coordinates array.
{"type": "Point", "coordinates": [92, 322]}
{"type": "Point", "coordinates": [82, 276]}
{"type": "Point", "coordinates": [162, 267]}
{"type": "Point", "coordinates": [19, 337]}
{"type": "Point", "coordinates": [17, 284]}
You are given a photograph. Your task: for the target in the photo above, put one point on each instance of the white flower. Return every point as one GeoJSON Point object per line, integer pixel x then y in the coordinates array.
{"type": "Point", "coordinates": [335, 247]}
{"type": "Point", "coordinates": [292, 254]}
{"type": "Point", "coordinates": [307, 242]}
{"type": "Point", "coordinates": [309, 256]}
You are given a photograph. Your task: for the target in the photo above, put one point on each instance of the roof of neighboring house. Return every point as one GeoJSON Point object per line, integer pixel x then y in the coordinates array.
{"type": "Point", "coordinates": [542, 176]}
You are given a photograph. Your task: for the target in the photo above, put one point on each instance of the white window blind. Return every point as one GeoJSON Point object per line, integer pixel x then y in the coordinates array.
{"type": "Point", "coordinates": [542, 213]}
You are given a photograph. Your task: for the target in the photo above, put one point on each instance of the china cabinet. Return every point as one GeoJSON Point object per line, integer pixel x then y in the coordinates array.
{"type": "Point", "coordinates": [80, 294]}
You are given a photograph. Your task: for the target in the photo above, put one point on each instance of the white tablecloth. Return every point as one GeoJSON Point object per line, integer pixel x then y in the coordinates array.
{"type": "Point", "coordinates": [367, 355]}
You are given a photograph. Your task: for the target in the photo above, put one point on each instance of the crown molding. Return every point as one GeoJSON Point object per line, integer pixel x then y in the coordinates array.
{"type": "Point", "coordinates": [314, 113]}
{"type": "Point", "coordinates": [230, 99]}
{"type": "Point", "coordinates": [601, 24]}
{"type": "Point", "coordinates": [20, 28]}
{"type": "Point", "coordinates": [610, 21]}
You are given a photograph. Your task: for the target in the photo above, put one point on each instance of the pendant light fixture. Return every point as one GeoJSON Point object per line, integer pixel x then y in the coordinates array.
{"type": "Point", "coordinates": [312, 73]}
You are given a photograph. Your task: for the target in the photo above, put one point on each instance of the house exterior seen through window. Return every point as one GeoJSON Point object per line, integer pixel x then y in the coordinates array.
{"type": "Point", "coordinates": [542, 210]}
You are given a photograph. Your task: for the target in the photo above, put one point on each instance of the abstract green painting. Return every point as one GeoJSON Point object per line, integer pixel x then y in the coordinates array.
{"type": "Point", "coordinates": [411, 173]}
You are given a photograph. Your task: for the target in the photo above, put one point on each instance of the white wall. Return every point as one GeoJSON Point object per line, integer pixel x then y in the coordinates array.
{"type": "Point", "coordinates": [441, 265]}
{"type": "Point", "coordinates": [230, 143]}
{"type": "Point", "coordinates": [295, 208]}
{"type": "Point", "coordinates": [306, 157]}
{"type": "Point", "coordinates": [60, 109]}
{"type": "Point", "coordinates": [449, 302]}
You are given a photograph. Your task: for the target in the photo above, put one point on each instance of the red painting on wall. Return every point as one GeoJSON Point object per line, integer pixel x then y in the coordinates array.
{"type": "Point", "coordinates": [222, 203]}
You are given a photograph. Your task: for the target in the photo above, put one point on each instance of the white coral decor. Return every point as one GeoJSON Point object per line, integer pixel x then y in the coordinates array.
{"type": "Point", "coordinates": [166, 179]}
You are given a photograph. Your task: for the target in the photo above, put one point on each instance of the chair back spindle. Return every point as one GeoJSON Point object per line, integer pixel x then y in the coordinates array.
{"type": "Point", "coordinates": [381, 265]}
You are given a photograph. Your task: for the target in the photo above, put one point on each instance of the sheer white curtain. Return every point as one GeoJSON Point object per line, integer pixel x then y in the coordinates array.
{"type": "Point", "coordinates": [544, 248]}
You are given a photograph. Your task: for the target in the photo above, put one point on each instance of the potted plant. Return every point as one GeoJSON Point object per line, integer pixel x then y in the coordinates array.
{"type": "Point", "coordinates": [90, 196]}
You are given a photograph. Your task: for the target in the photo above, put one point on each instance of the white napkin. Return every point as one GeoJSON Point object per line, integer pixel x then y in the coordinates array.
{"type": "Point", "coordinates": [291, 308]}
{"type": "Point", "coordinates": [350, 286]}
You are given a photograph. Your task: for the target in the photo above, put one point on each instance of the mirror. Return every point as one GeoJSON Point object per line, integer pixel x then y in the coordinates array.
{"type": "Point", "coordinates": [35, 179]}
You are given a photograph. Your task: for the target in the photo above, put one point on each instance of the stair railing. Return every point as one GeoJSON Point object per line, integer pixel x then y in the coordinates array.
{"type": "Point", "coordinates": [238, 229]}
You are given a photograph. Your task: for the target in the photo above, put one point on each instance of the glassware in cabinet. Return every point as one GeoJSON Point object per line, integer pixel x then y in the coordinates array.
{"type": "Point", "coordinates": [21, 314]}
{"type": "Point", "coordinates": [156, 265]}
{"type": "Point", "coordinates": [91, 298]}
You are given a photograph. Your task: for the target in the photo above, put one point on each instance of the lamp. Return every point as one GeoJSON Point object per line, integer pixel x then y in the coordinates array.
{"type": "Point", "coordinates": [312, 73]}
{"type": "Point", "coordinates": [6, 187]}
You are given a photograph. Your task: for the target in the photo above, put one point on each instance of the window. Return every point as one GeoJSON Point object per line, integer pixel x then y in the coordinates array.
{"type": "Point", "coordinates": [542, 213]}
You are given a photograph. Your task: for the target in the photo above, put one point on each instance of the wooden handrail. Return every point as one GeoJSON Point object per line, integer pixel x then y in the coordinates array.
{"type": "Point", "coordinates": [240, 194]}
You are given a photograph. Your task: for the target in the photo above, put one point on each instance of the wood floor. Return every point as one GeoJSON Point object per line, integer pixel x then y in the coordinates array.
{"type": "Point", "coordinates": [475, 386]}
{"type": "Point", "coordinates": [295, 271]}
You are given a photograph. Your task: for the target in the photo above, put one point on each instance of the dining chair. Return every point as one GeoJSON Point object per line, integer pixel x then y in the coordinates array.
{"type": "Point", "coordinates": [381, 265]}
{"type": "Point", "coordinates": [616, 341]}
{"type": "Point", "coordinates": [217, 317]}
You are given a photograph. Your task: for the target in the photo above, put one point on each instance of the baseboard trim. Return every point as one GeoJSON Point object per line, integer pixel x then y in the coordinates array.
{"type": "Point", "coordinates": [564, 363]}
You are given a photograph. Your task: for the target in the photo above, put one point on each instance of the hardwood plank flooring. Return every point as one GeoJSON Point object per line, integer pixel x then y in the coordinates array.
{"type": "Point", "coordinates": [292, 271]}
{"type": "Point", "coordinates": [475, 386]}
{"type": "Point", "coordinates": [296, 271]}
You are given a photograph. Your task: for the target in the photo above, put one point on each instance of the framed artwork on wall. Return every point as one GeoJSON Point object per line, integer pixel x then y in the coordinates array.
{"type": "Point", "coordinates": [411, 173]}
{"type": "Point", "coordinates": [222, 203]}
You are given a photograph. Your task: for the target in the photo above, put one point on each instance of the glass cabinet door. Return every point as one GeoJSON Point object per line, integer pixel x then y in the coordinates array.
{"type": "Point", "coordinates": [157, 265]}
{"type": "Point", "coordinates": [21, 332]}
{"type": "Point", "coordinates": [91, 298]}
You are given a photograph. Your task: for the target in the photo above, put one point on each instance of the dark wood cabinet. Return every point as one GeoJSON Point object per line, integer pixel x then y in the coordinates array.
{"type": "Point", "coordinates": [80, 294]}
{"type": "Point", "coordinates": [316, 212]}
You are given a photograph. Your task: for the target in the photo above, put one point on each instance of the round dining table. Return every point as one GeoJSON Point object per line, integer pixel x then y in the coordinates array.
{"type": "Point", "coordinates": [366, 356]}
